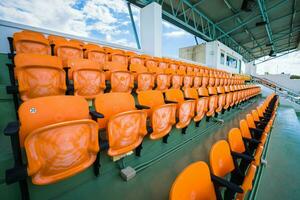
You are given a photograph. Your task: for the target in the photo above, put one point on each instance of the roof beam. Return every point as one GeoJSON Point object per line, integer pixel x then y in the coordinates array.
{"type": "Point", "coordinates": [273, 20]}
{"type": "Point", "coordinates": [292, 20]}
{"type": "Point", "coordinates": [194, 6]}
{"type": "Point", "coordinates": [229, 5]}
{"type": "Point", "coordinates": [215, 27]}
{"type": "Point", "coordinates": [283, 32]}
{"type": "Point", "coordinates": [262, 8]}
{"type": "Point", "coordinates": [252, 18]}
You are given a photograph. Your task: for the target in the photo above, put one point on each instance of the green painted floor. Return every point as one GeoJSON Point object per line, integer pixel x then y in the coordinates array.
{"type": "Point", "coordinates": [280, 178]}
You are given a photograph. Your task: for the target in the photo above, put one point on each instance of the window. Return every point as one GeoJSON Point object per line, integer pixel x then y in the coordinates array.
{"type": "Point", "coordinates": [231, 62]}
{"type": "Point", "coordinates": [222, 59]}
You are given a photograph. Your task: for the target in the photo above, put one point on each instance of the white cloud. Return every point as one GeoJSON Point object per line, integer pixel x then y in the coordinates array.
{"type": "Point", "coordinates": [176, 34]}
{"type": "Point", "coordinates": [168, 25]}
{"type": "Point", "coordinates": [60, 16]}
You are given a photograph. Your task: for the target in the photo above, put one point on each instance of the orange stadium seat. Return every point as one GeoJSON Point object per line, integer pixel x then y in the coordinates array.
{"type": "Point", "coordinates": [39, 75]}
{"type": "Point", "coordinates": [125, 126]}
{"type": "Point", "coordinates": [48, 125]}
{"type": "Point", "coordinates": [88, 78]}
{"type": "Point", "coordinates": [162, 116]}
{"type": "Point", "coordinates": [31, 42]}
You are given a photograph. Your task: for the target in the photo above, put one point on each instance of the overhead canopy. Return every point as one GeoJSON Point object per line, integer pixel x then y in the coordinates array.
{"type": "Point", "coordinates": [253, 28]}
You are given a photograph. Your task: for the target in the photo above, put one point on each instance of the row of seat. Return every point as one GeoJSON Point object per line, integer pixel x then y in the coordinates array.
{"type": "Point", "coordinates": [238, 157]}
{"type": "Point", "coordinates": [43, 75]}
{"type": "Point", "coordinates": [50, 124]}
{"type": "Point", "coordinates": [33, 42]}
{"type": "Point", "coordinates": [108, 59]}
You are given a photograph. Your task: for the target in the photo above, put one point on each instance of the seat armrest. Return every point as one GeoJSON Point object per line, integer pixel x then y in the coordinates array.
{"type": "Point", "coordinates": [253, 141]}
{"type": "Point", "coordinates": [16, 174]}
{"type": "Point", "coordinates": [95, 115]}
{"type": "Point", "coordinates": [224, 183]}
{"type": "Point", "coordinates": [256, 130]}
{"type": "Point", "coordinates": [242, 156]}
{"type": "Point", "coordinates": [140, 107]}
{"type": "Point", "coordinates": [168, 101]}
{"type": "Point", "coordinates": [12, 128]}
{"type": "Point", "coordinates": [187, 98]}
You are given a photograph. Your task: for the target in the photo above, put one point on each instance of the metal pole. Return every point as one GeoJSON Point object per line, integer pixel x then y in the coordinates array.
{"type": "Point", "coordinates": [133, 26]}
{"type": "Point", "coordinates": [197, 43]}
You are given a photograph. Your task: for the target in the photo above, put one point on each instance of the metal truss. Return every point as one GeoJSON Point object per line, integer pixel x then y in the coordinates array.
{"type": "Point", "coordinates": [186, 15]}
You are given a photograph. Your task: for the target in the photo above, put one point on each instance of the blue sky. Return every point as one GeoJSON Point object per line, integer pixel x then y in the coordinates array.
{"type": "Point", "coordinates": [108, 20]}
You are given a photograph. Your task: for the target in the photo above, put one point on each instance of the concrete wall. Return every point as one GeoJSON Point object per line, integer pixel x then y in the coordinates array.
{"type": "Point", "coordinates": [250, 68]}
{"type": "Point", "coordinates": [284, 80]}
{"type": "Point", "coordinates": [210, 54]}
{"type": "Point", "coordinates": [195, 53]}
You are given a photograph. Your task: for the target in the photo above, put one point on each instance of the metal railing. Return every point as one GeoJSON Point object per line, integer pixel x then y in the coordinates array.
{"type": "Point", "coordinates": [279, 89]}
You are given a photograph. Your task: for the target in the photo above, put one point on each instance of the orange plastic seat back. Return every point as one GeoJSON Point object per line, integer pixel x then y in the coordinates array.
{"type": "Point", "coordinates": [182, 67]}
{"type": "Point", "coordinates": [31, 42]}
{"type": "Point", "coordinates": [110, 104]}
{"type": "Point", "coordinates": [255, 115]}
{"type": "Point", "coordinates": [189, 69]}
{"type": "Point", "coordinates": [236, 141]}
{"type": "Point", "coordinates": [203, 92]}
{"type": "Point", "coordinates": [212, 104]}
{"type": "Point", "coordinates": [260, 111]}
{"type": "Point", "coordinates": [89, 80]}
{"type": "Point", "coordinates": [185, 109]}
{"type": "Point", "coordinates": [151, 98]}
{"type": "Point", "coordinates": [187, 81]}
{"type": "Point", "coordinates": [95, 53]}
{"type": "Point", "coordinates": [201, 108]}
{"type": "Point", "coordinates": [176, 81]}
{"type": "Point", "coordinates": [39, 75]}
{"type": "Point", "coordinates": [119, 58]}
{"type": "Point", "coordinates": [191, 93]}
{"type": "Point", "coordinates": [163, 65]}
{"type": "Point", "coordinates": [126, 126]}
{"type": "Point", "coordinates": [221, 161]}
{"type": "Point", "coordinates": [173, 66]}
{"type": "Point", "coordinates": [145, 81]}
{"type": "Point", "coordinates": [229, 99]}
{"type": "Point", "coordinates": [217, 82]}
{"type": "Point", "coordinates": [235, 97]}
{"type": "Point", "coordinates": [162, 115]}
{"type": "Point", "coordinates": [194, 182]}
{"type": "Point", "coordinates": [130, 53]}
{"type": "Point", "coordinates": [250, 121]}
{"type": "Point", "coordinates": [245, 129]}
{"type": "Point", "coordinates": [53, 39]}
{"type": "Point", "coordinates": [197, 81]}
{"type": "Point", "coordinates": [122, 81]}
{"type": "Point", "coordinates": [162, 82]}
{"type": "Point", "coordinates": [126, 131]}
{"type": "Point", "coordinates": [48, 126]}
{"type": "Point", "coordinates": [68, 50]}
{"type": "Point", "coordinates": [221, 100]}
{"type": "Point", "coordinates": [174, 95]}
{"type": "Point", "coordinates": [80, 43]}
{"type": "Point", "coordinates": [137, 64]}
{"type": "Point", "coordinates": [205, 80]}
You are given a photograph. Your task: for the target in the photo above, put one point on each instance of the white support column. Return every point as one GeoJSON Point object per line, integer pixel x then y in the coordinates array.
{"type": "Point", "coordinates": [151, 29]}
{"type": "Point", "coordinates": [250, 68]}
